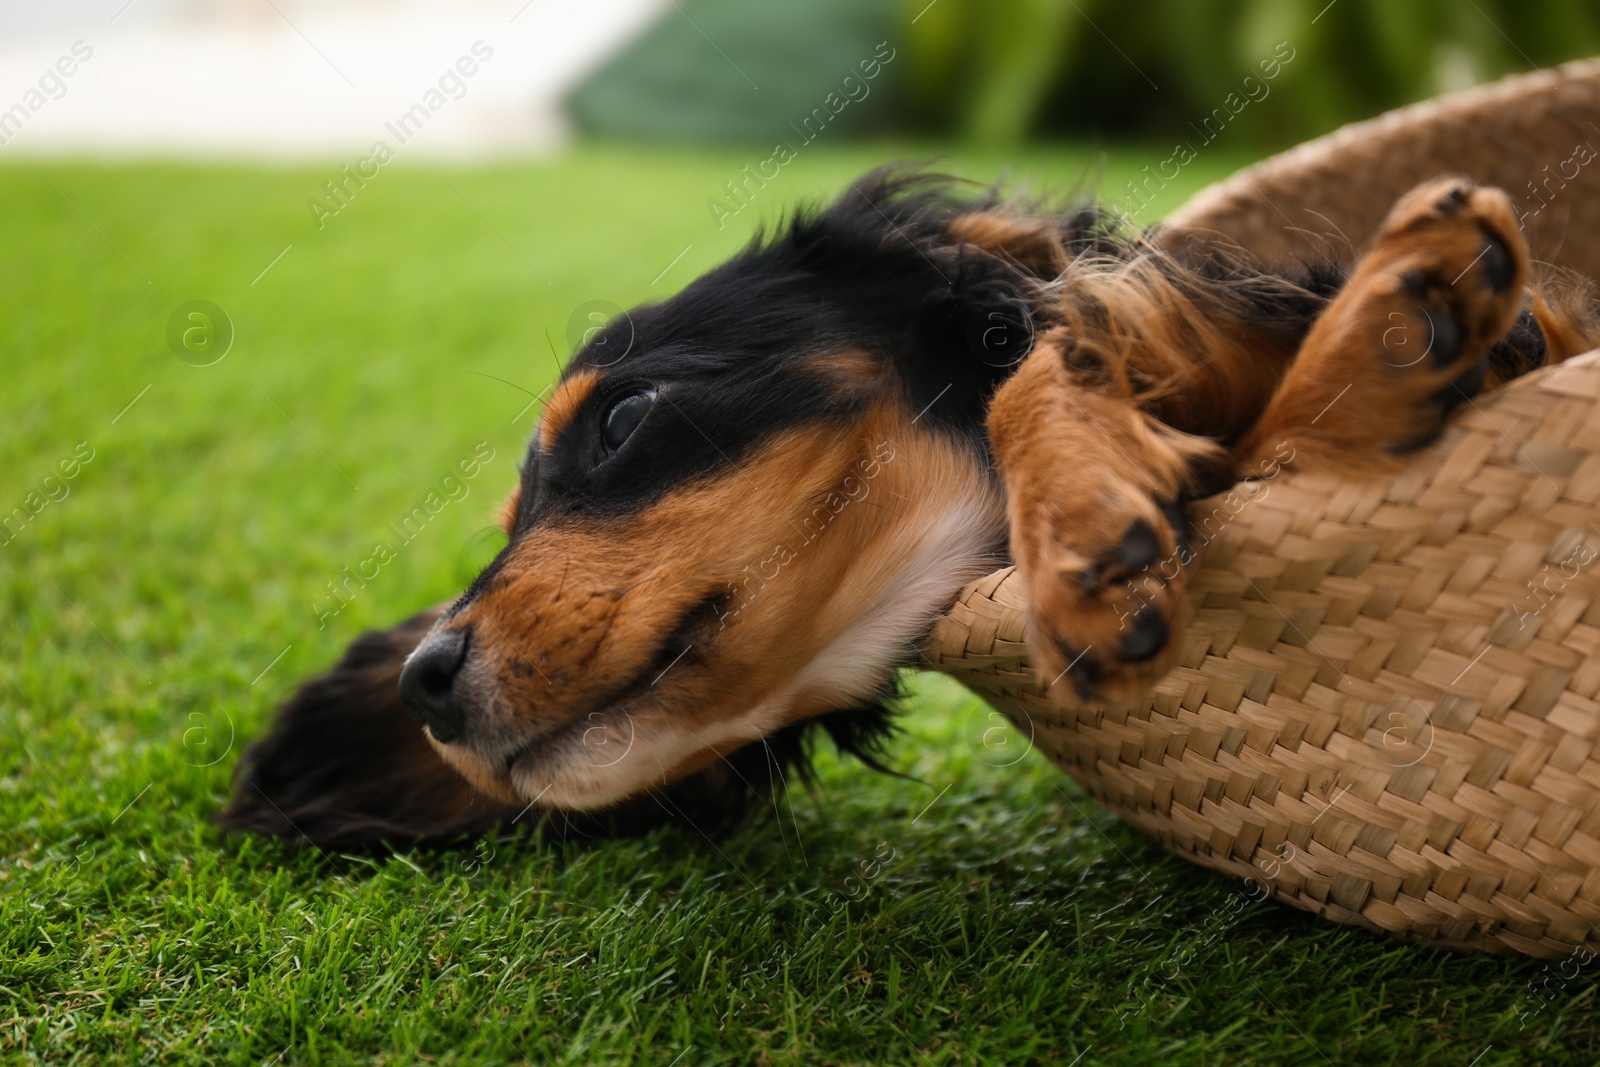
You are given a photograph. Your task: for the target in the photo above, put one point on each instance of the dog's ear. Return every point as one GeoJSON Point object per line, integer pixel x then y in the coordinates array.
{"type": "Point", "coordinates": [933, 274]}
{"type": "Point", "coordinates": [347, 765]}
{"type": "Point", "coordinates": [972, 329]}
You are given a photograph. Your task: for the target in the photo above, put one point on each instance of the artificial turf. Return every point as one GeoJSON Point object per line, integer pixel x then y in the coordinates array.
{"type": "Point", "coordinates": [168, 594]}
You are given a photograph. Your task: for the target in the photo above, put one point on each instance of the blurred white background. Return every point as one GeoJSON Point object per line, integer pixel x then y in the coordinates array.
{"type": "Point", "coordinates": [295, 79]}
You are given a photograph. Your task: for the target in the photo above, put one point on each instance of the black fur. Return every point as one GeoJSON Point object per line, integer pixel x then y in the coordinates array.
{"type": "Point", "coordinates": [1521, 350]}
{"type": "Point", "coordinates": [347, 764]}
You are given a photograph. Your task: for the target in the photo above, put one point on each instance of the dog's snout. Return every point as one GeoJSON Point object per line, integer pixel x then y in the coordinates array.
{"type": "Point", "coordinates": [428, 684]}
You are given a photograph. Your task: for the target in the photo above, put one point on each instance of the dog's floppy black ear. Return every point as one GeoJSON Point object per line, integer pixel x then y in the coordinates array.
{"type": "Point", "coordinates": [347, 765]}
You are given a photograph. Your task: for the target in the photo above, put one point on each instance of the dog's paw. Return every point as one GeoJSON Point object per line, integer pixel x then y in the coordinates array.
{"type": "Point", "coordinates": [1444, 281]}
{"type": "Point", "coordinates": [1094, 486]}
{"type": "Point", "coordinates": [1106, 592]}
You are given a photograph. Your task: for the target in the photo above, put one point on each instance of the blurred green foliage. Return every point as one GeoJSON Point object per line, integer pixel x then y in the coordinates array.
{"type": "Point", "coordinates": [1001, 71]}
{"type": "Point", "coordinates": [734, 71]}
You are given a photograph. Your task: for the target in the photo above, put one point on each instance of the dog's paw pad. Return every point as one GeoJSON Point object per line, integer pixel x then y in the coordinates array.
{"type": "Point", "coordinates": [1464, 388]}
{"type": "Point", "coordinates": [1499, 269]}
{"type": "Point", "coordinates": [1442, 284]}
{"type": "Point", "coordinates": [1109, 621]}
{"type": "Point", "coordinates": [1147, 635]}
{"type": "Point", "coordinates": [1140, 547]}
{"type": "Point", "coordinates": [1445, 335]}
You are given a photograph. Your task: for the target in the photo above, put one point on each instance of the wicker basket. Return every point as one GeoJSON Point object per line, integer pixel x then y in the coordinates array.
{"type": "Point", "coordinates": [1388, 704]}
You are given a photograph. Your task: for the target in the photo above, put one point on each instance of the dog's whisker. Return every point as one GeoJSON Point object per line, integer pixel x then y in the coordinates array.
{"type": "Point", "coordinates": [555, 358]}
{"type": "Point", "coordinates": [771, 797]}
{"type": "Point", "coordinates": [514, 385]}
{"type": "Point", "coordinates": [666, 803]}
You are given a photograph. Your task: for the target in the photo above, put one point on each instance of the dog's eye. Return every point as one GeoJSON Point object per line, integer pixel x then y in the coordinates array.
{"type": "Point", "coordinates": [624, 417]}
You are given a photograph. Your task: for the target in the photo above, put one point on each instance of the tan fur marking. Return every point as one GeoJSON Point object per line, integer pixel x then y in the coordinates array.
{"type": "Point", "coordinates": [1033, 242]}
{"type": "Point", "coordinates": [851, 372]}
{"type": "Point", "coordinates": [1567, 331]}
{"type": "Point", "coordinates": [564, 404]}
{"type": "Point", "coordinates": [508, 509]}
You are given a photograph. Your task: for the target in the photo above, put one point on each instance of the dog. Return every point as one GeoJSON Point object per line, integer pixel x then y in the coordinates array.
{"type": "Point", "coordinates": [744, 507]}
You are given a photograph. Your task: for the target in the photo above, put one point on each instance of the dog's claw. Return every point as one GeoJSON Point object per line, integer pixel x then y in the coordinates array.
{"type": "Point", "coordinates": [1110, 619]}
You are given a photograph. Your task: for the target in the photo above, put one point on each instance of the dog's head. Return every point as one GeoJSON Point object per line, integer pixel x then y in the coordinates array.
{"type": "Point", "coordinates": [743, 507]}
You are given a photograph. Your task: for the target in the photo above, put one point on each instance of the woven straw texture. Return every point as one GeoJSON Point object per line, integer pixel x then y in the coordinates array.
{"type": "Point", "coordinates": [1525, 134]}
{"type": "Point", "coordinates": [1388, 705]}
{"type": "Point", "coordinates": [1386, 709]}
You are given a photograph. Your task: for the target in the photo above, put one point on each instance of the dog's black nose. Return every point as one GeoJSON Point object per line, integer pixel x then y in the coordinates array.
{"type": "Point", "coordinates": [427, 684]}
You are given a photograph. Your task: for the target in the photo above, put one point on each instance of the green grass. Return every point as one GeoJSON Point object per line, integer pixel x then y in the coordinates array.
{"type": "Point", "coordinates": [984, 912]}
